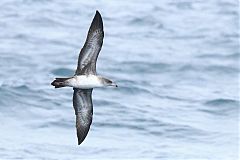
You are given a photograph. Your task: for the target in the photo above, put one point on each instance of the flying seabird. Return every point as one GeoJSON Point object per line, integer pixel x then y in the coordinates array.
{"type": "Point", "coordinates": [86, 78]}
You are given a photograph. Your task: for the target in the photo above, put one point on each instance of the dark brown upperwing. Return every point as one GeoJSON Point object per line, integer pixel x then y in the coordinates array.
{"type": "Point", "coordinates": [82, 104]}
{"type": "Point", "coordinates": [89, 53]}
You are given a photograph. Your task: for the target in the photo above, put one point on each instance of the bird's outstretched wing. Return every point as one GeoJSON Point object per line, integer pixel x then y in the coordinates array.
{"type": "Point", "coordinates": [82, 104]}
{"type": "Point", "coordinates": [89, 53]}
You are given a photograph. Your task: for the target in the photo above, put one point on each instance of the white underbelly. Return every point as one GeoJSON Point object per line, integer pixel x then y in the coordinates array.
{"type": "Point", "coordinates": [85, 82]}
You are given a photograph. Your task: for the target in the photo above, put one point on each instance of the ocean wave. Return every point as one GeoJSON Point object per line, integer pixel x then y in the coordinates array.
{"type": "Point", "coordinates": [203, 69]}
{"type": "Point", "coordinates": [62, 72]}
{"type": "Point", "coordinates": [143, 67]}
{"type": "Point", "coordinates": [223, 102]}
{"type": "Point", "coordinates": [221, 107]}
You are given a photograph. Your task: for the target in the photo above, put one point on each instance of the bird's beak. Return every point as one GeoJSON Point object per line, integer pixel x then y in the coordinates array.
{"type": "Point", "coordinates": [114, 85]}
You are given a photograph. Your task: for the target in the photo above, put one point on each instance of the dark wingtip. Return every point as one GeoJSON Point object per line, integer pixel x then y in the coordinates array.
{"type": "Point", "coordinates": [97, 21]}
{"type": "Point", "coordinates": [98, 15]}
{"type": "Point", "coordinates": [80, 140]}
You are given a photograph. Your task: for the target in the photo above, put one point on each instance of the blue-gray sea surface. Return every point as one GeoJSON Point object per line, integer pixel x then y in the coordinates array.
{"type": "Point", "coordinates": [175, 62]}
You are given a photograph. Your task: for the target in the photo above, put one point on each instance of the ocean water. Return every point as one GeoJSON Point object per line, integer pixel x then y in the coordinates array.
{"type": "Point", "coordinates": [175, 62]}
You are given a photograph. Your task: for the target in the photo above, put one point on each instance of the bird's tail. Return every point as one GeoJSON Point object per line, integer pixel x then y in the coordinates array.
{"type": "Point", "coordinates": [59, 82]}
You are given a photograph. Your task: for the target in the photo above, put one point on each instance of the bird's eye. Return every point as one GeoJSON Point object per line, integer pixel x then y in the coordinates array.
{"type": "Point", "coordinates": [109, 81]}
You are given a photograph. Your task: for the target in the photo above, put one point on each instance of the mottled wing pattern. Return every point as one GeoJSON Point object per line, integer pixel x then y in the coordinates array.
{"type": "Point", "coordinates": [90, 51]}
{"type": "Point", "coordinates": [82, 103]}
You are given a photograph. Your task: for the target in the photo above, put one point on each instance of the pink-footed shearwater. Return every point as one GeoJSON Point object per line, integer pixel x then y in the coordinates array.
{"type": "Point", "coordinates": [86, 78]}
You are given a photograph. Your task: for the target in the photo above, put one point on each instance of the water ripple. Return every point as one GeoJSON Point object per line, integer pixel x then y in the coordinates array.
{"type": "Point", "coordinates": [65, 72]}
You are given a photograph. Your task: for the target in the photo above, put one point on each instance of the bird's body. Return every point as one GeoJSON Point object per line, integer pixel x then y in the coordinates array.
{"type": "Point", "coordinates": [85, 81]}
{"type": "Point", "coordinates": [86, 78]}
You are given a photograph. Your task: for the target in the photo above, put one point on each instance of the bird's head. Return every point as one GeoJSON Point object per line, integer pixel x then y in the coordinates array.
{"type": "Point", "coordinates": [108, 82]}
